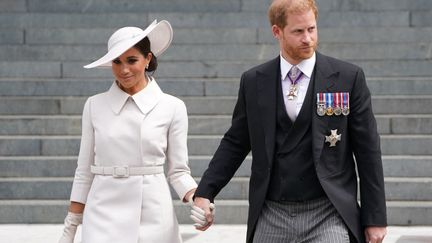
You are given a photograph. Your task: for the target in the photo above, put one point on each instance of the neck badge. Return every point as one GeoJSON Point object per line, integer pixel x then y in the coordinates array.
{"type": "Point", "coordinates": [294, 76]}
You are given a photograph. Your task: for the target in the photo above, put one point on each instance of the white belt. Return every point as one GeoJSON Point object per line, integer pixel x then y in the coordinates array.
{"type": "Point", "coordinates": [126, 171]}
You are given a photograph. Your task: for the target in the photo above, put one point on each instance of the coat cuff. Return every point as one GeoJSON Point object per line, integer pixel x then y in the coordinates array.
{"type": "Point", "coordinates": [79, 193]}
{"type": "Point", "coordinates": [183, 184]}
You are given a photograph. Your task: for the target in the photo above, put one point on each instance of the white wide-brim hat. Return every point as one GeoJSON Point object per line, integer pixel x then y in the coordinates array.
{"type": "Point", "coordinates": [160, 35]}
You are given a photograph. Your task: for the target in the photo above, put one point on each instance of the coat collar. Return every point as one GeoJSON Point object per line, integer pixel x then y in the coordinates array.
{"type": "Point", "coordinates": [145, 99]}
{"type": "Point", "coordinates": [267, 77]}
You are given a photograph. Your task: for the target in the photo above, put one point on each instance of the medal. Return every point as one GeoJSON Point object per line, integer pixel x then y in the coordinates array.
{"type": "Point", "coordinates": [333, 138]}
{"type": "Point", "coordinates": [320, 104]}
{"type": "Point", "coordinates": [345, 101]}
{"type": "Point", "coordinates": [345, 111]}
{"type": "Point", "coordinates": [293, 91]}
{"type": "Point", "coordinates": [321, 110]}
{"type": "Point", "coordinates": [329, 111]}
{"type": "Point", "coordinates": [337, 110]}
{"type": "Point", "coordinates": [294, 75]}
{"type": "Point", "coordinates": [329, 104]}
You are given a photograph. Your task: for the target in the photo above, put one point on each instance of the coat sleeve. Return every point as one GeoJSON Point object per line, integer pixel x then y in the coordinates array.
{"type": "Point", "coordinates": [232, 150]}
{"type": "Point", "coordinates": [83, 177]}
{"type": "Point", "coordinates": [178, 171]}
{"type": "Point", "coordinates": [365, 142]}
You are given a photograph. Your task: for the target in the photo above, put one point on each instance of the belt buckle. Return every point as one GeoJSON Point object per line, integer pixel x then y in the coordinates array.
{"type": "Point", "coordinates": [120, 171]}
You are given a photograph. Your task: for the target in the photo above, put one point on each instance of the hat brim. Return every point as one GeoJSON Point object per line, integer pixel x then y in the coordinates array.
{"type": "Point", "coordinates": [160, 36]}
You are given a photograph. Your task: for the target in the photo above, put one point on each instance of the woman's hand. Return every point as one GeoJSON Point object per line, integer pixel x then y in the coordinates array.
{"type": "Point", "coordinates": [71, 223]}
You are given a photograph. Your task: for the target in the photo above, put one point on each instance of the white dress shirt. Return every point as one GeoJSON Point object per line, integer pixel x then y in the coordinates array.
{"type": "Point", "coordinates": [306, 67]}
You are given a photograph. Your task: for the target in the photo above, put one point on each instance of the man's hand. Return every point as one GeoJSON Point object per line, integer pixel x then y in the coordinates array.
{"type": "Point", "coordinates": [202, 213]}
{"type": "Point", "coordinates": [375, 234]}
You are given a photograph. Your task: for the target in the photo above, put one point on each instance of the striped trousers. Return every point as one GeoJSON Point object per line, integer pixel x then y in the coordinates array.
{"type": "Point", "coordinates": [315, 221]}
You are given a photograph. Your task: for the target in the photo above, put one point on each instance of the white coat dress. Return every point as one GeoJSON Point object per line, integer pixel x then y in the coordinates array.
{"type": "Point", "coordinates": [148, 128]}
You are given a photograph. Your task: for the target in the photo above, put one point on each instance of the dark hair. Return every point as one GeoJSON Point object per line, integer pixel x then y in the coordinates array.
{"type": "Point", "coordinates": [144, 48]}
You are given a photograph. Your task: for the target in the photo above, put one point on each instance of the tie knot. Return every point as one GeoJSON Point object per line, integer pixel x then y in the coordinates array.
{"type": "Point", "coordinates": [294, 74]}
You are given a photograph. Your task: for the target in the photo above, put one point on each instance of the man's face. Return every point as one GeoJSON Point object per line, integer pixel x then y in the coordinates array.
{"type": "Point", "coordinates": [299, 38]}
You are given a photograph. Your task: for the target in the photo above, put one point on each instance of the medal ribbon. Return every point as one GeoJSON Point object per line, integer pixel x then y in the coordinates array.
{"type": "Point", "coordinates": [295, 81]}
{"type": "Point", "coordinates": [346, 99]}
{"type": "Point", "coordinates": [336, 98]}
{"type": "Point", "coordinates": [329, 100]}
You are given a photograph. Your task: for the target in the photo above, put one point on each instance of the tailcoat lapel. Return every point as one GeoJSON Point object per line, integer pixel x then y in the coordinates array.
{"type": "Point", "coordinates": [325, 78]}
{"type": "Point", "coordinates": [267, 78]}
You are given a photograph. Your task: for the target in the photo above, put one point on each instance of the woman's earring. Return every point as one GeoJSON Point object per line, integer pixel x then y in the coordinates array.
{"type": "Point", "coordinates": [147, 66]}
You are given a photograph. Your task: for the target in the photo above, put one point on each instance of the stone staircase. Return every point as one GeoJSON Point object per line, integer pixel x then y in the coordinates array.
{"type": "Point", "coordinates": [45, 43]}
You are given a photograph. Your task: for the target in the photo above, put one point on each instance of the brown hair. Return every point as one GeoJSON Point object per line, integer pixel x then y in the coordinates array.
{"type": "Point", "coordinates": [279, 10]}
{"type": "Point", "coordinates": [144, 48]}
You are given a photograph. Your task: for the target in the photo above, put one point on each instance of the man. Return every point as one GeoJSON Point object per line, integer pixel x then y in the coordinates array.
{"type": "Point", "coordinates": [303, 115]}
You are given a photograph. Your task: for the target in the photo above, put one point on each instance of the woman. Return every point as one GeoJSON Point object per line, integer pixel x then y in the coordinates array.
{"type": "Point", "coordinates": [128, 133]}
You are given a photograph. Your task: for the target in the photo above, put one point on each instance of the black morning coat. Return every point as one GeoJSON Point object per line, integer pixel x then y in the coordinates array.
{"type": "Point", "coordinates": [253, 129]}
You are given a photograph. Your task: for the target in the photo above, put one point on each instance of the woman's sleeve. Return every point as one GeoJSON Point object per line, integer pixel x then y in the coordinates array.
{"type": "Point", "coordinates": [83, 177]}
{"type": "Point", "coordinates": [178, 172]}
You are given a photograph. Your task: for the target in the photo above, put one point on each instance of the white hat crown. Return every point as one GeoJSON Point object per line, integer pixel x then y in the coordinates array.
{"type": "Point", "coordinates": [160, 35]}
{"type": "Point", "coordinates": [123, 34]}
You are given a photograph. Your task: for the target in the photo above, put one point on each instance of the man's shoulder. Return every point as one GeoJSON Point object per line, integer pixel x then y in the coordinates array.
{"type": "Point", "coordinates": [263, 67]}
{"type": "Point", "coordinates": [336, 63]}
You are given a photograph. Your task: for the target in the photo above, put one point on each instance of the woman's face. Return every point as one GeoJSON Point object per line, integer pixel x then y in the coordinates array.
{"type": "Point", "coordinates": [129, 70]}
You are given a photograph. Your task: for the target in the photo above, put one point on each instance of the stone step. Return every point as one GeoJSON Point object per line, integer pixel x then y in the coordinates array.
{"type": "Point", "coordinates": [218, 35]}
{"type": "Point", "coordinates": [371, 5]}
{"type": "Point", "coordinates": [198, 145]}
{"type": "Point", "coordinates": [229, 212]}
{"type": "Point", "coordinates": [408, 189]}
{"type": "Point", "coordinates": [189, 86]}
{"type": "Point", "coordinates": [30, 69]}
{"type": "Point", "coordinates": [409, 213]}
{"type": "Point", "coordinates": [11, 36]}
{"type": "Point", "coordinates": [210, 105]}
{"type": "Point", "coordinates": [10, 6]}
{"type": "Point", "coordinates": [88, 87]}
{"type": "Point", "coordinates": [198, 125]}
{"type": "Point", "coordinates": [132, 6]}
{"type": "Point", "coordinates": [64, 166]}
{"type": "Point", "coordinates": [199, 69]}
{"type": "Point", "coordinates": [98, 35]}
{"type": "Point", "coordinates": [422, 19]}
{"type": "Point", "coordinates": [195, 5]}
{"type": "Point", "coordinates": [230, 18]}
{"type": "Point", "coordinates": [259, 19]}
{"type": "Point", "coordinates": [222, 52]}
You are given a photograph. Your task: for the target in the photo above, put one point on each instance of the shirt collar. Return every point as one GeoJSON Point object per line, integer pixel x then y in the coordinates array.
{"type": "Point", "coordinates": [306, 66]}
{"type": "Point", "coordinates": [146, 99]}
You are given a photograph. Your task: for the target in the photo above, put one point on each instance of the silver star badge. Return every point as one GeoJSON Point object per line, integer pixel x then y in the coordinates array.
{"type": "Point", "coordinates": [333, 138]}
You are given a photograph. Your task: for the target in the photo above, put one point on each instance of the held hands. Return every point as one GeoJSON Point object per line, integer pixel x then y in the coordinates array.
{"type": "Point", "coordinates": [202, 213]}
{"type": "Point", "coordinates": [71, 223]}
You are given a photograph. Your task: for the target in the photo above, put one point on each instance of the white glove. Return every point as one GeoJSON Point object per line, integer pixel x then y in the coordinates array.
{"type": "Point", "coordinates": [198, 214]}
{"type": "Point", "coordinates": [71, 223]}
